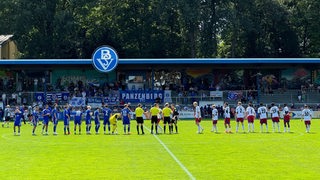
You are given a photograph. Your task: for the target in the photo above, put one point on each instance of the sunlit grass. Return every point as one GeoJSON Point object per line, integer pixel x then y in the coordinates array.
{"type": "Point", "coordinates": [294, 155]}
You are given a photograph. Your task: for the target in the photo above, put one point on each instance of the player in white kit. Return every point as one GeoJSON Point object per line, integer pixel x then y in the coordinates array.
{"type": "Point", "coordinates": [197, 116]}
{"type": "Point", "coordinates": [239, 116]}
{"type": "Point", "coordinates": [274, 110]}
{"type": "Point", "coordinates": [226, 112]}
{"type": "Point", "coordinates": [215, 116]}
{"type": "Point", "coordinates": [307, 116]}
{"type": "Point", "coordinates": [250, 114]}
{"type": "Point", "coordinates": [262, 111]}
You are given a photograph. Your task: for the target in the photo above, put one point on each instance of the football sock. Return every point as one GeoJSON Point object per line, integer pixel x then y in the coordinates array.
{"type": "Point", "coordinates": [164, 129]}
{"type": "Point", "coordinates": [156, 129]}
{"type": "Point", "coordinates": [109, 128]}
{"type": "Point", "coordinates": [54, 128]}
{"type": "Point", "coordinates": [64, 129]}
{"type": "Point", "coordinates": [151, 128]}
{"type": "Point", "coordinates": [104, 128]}
{"type": "Point", "coordinates": [129, 128]}
{"type": "Point", "coordinates": [176, 129]}
{"type": "Point", "coordinates": [124, 129]}
{"type": "Point", "coordinates": [138, 129]}
{"type": "Point", "coordinates": [273, 126]}
{"type": "Point", "coordinates": [142, 129]}
{"type": "Point", "coordinates": [267, 128]}
{"type": "Point", "coordinates": [68, 129]}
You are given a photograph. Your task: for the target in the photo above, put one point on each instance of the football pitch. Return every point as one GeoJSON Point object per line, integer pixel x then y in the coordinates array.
{"type": "Point", "coordinates": [186, 155]}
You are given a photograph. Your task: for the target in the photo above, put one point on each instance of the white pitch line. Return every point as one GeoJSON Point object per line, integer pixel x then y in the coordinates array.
{"type": "Point", "coordinates": [173, 156]}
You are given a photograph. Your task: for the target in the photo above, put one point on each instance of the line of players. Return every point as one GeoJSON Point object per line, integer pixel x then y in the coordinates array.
{"type": "Point", "coordinates": [250, 114]}
{"type": "Point", "coordinates": [168, 114]}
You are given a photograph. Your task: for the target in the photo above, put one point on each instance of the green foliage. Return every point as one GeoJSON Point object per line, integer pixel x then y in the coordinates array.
{"type": "Point", "coordinates": [163, 29]}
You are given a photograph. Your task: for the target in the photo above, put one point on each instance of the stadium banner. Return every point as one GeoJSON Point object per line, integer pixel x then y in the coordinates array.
{"type": "Point", "coordinates": [52, 96]}
{"type": "Point", "coordinates": [141, 96]}
{"type": "Point", "coordinates": [63, 96]}
{"type": "Point", "coordinates": [111, 101]}
{"type": "Point", "coordinates": [210, 103]}
{"type": "Point", "coordinates": [167, 96]}
{"type": "Point", "coordinates": [95, 102]}
{"type": "Point", "coordinates": [98, 101]}
{"type": "Point", "coordinates": [39, 96]}
{"type": "Point", "coordinates": [186, 115]}
{"type": "Point", "coordinates": [78, 102]}
{"type": "Point", "coordinates": [234, 95]}
{"type": "Point", "coordinates": [218, 94]}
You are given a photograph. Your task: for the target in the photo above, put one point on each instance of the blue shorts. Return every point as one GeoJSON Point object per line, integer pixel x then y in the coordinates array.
{"type": "Point", "coordinates": [106, 121]}
{"type": "Point", "coordinates": [126, 121]}
{"type": "Point", "coordinates": [34, 123]}
{"type": "Point", "coordinates": [55, 121]}
{"type": "Point", "coordinates": [17, 123]}
{"type": "Point", "coordinates": [88, 121]}
{"type": "Point", "coordinates": [77, 122]}
{"type": "Point", "coordinates": [46, 122]}
{"type": "Point", "coordinates": [66, 122]}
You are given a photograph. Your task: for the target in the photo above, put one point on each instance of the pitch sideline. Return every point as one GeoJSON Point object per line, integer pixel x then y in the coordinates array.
{"type": "Point", "coordinates": [173, 156]}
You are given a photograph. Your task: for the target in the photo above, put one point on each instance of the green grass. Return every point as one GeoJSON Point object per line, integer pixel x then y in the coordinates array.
{"type": "Point", "coordinates": [257, 155]}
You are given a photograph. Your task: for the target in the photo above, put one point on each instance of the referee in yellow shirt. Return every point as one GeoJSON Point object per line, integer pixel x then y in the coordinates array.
{"type": "Point", "coordinates": [166, 118]}
{"type": "Point", "coordinates": [154, 111]}
{"type": "Point", "coordinates": [139, 113]}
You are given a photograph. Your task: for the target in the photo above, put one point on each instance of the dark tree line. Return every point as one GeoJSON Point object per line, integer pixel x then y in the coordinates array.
{"type": "Point", "coordinates": [162, 28]}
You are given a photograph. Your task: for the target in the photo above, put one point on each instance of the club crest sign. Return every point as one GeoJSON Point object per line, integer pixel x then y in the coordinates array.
{"type": "Point", "coordinates": [105, 59]}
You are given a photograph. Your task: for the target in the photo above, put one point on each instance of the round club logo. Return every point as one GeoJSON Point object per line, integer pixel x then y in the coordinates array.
{"type": "Point", "coordinates": [105, 59]}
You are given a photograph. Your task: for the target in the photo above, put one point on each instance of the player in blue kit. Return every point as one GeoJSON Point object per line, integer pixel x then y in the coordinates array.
{"type": "Point", "coordinates": [35, 119]}
{"type": "Point", "coordinates": [66, 119]}
{"type": "Point", "coordinates": [54, 114]}
{"type": "Point", "coordinates": [77, 120]}
{"type": "Point", "coordinates": [107, 113]}
{"type": "Point", "coordinates": [88, 114]}
{"type": "Point", "coordinates": [125, 113]}
{"type": "Point", "coordinates": [46, 115]}
{"type": "Point", "coordinates": [17, 121]}
{"type": "Point", "coordinates": [97, 120]}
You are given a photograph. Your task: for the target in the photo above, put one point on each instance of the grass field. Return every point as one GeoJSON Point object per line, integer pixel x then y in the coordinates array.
{"type": "Point", "coordinates": [186, 155]}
